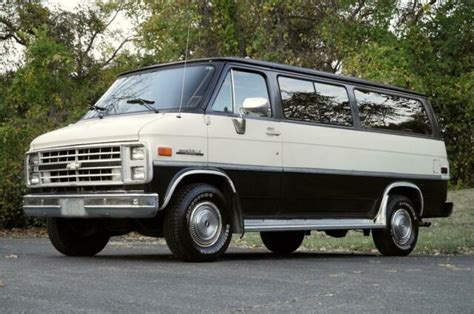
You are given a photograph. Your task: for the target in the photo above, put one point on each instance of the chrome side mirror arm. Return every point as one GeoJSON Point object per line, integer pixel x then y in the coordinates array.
{"type": "Point", "coordinates": [240, 123]}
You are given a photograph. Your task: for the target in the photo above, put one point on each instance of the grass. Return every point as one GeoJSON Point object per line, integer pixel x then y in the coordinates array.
{"type": "Point", "coordinates": [453, 235]}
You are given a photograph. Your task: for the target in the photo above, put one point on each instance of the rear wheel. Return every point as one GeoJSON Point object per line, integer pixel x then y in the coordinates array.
{"type": "Point", "coordinates": [76, 237]}
{"type": "Point", "coordinates": [401, 233]}
{"type": "Point", "coordinates": [282, 242]}
{"type": "Point", "coordinates": [197, 224]}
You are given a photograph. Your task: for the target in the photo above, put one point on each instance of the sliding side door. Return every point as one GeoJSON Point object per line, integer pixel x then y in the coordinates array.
{"type": "Point", "coordinates": [320, 154]}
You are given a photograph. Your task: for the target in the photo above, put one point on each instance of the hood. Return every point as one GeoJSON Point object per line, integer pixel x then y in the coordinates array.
{"type": "Point", "coordinates": [109, 129]}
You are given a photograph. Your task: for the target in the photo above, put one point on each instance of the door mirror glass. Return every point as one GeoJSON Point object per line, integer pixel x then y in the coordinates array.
{"type": "Point", "coordinates": [256, 105]}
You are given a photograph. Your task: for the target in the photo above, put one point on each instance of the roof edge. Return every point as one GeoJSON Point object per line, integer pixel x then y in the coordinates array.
{"type": "Point", "coordinates": [283, 67]}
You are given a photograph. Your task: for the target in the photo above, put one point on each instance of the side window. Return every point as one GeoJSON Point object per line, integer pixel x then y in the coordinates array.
{"type": "Point", "coordinates": [315, 102]}
{"type": "Point", "coordinates": [223, 102]}
{"type": "Point", "coordinates": [381, 111]}
{"type": "Point", "coordinates": [243, 87]}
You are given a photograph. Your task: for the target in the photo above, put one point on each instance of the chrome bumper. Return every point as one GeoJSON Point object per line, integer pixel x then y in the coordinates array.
{"type": "Point", "coordinates": [119, 205]}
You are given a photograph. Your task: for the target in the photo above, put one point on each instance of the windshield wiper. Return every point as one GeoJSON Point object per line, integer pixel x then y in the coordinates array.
{"type": "Point", "coordinates": [144, 102]}
{"type": "Point", "coordinates": [97, 108]}
{"type": "Point", "coordinates": [100, 110]}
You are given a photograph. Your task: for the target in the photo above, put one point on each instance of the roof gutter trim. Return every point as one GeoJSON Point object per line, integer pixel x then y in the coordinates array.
{"type": "Point", "coordinates": [282, 67]}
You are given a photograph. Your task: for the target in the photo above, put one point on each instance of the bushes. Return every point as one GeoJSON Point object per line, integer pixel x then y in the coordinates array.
{"type": "Point", "coordinates": [14, 139]}
{"type": "Point", "coordinates": [41, 96]}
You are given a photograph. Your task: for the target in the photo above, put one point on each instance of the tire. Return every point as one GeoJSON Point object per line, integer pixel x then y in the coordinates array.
{"type": "Point", "coordinates": [282, 242]}
{"type": "Point", "coordinates": [401, 234]}
{"type": "Point", "coordinates": [76, 237]}
{"type": "Point", "coordinates": [197, 223]}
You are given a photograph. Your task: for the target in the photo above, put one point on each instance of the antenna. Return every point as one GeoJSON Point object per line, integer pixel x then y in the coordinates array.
{"type": "Point", "coordinates": [184, 68]}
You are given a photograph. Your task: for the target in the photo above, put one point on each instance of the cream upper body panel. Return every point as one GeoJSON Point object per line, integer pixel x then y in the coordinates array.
{"type": "Point", "coordinates": [109, 129]}
{"type": "Point", "coordinates": [254, 148]}
{"type": "Point", "coordinates": [184, 133]}
{"type": "Point", "coordinates": [313, 146]}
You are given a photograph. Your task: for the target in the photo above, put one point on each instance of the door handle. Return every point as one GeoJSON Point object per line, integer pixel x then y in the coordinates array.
{"type": "Point", "coordinates": [272, 132]}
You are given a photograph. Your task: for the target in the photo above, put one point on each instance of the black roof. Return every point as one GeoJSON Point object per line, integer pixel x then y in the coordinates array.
{"type": "Point", "coordinates": [283, 67]}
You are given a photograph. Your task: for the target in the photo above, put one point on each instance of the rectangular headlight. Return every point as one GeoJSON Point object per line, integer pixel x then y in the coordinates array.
{"type": "Point", "coordinates": [34, 178]}
{"type": "Point", "coordinates": [138, 153]}
{"type": "Point", "coordinates": [138, 173]}
{"type": "Point", "coordinates": [33, 159]}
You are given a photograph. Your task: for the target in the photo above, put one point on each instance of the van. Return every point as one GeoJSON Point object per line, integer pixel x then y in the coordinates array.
{"type": "Point", "coordinates": [197, 151]}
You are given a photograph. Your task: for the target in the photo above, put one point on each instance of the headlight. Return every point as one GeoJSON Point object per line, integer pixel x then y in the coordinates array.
{"type": "Point", "coordinates": [34, 159]}
{"type": "Point", "coordinates": [135, 167]}
{"type": "Point", "coordinates": [138, 153]}
{"type": "Point", "coordinates": [34, 178]}
{"type": "Point", "coordinates": [32, 169]}
{"type": "Point", "coordinates": [138, 173]}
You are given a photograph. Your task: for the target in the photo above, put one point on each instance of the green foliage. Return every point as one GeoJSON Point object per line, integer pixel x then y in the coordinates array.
{"type": "Point", "coordinates": [431, 51]}
{"type": "Point", "coordinates": [13, 143]}
{"type": "Point", "coordinates": [55, 85]}
{"type": "Point", "coordinates": [423, 46]}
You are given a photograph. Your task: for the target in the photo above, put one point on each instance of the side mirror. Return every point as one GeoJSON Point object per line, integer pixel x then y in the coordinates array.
{"type": "Point", "coordinates": [257, 105]}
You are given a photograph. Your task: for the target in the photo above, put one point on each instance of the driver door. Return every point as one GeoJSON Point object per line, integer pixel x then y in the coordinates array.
{"type": "Point", "coordinates": [246, 142]}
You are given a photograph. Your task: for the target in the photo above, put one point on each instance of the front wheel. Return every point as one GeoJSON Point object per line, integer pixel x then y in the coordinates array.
{"type": "Point", "coordinates": [401, 233]}
{"type": "Point", "coordinates": [197, 223]}
{"type": "Point", "coordinates": [76, 237]}
{"type": "Point", "coordinates": [282, 242]}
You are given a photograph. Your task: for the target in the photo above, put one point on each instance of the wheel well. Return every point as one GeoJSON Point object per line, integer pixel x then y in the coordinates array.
{"type": "Point", "coordinates": [223, 184]}
{"type": "Point", "coordinates": [219, 182]}
{"type": "Point", "coordinates": [413, 194]}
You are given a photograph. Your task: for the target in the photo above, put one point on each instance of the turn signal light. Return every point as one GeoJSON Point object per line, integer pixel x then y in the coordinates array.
{"type": "Point", "coordinates": [165, 151]}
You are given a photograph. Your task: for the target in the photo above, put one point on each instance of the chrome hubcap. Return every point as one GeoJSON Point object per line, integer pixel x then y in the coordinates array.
{"type": "Point", "coordinates": [402, 227]}
{"type": "Point", "coordinates": [205, 224]}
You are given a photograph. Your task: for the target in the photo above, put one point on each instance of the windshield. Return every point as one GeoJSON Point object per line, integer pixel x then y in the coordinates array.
{"type": "Point", "coordinates": [153, 91]}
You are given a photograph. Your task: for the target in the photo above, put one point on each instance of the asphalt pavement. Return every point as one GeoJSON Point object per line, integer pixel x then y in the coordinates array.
{"type": "Point", "coordinates": [136, 277]}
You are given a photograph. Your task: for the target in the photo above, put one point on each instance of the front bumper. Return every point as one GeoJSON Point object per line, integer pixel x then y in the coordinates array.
{"type": "Point", "coordinates": [112, 205]}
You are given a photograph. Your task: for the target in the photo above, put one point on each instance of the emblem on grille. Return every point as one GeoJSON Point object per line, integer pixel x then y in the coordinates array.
{"type": "Point", "coordinates": [73, 165]}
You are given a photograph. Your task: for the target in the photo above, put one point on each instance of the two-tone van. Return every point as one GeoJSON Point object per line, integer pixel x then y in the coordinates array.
{"type": "Point", "coordinates": [197, 151]}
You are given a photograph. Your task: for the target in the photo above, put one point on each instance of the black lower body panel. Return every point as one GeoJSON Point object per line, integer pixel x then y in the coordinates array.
{"type": "Point", "coordinates": [305, 195]}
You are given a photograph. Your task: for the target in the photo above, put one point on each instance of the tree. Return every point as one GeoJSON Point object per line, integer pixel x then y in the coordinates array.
{"type": "Point", "coordinates": [428, 48]}
{"type": "Point", "coordinates": [68, 58]}
{"type": "Point", "coordinates": [66, 66]}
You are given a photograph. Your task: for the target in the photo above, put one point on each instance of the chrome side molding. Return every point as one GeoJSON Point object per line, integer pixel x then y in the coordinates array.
{"type": "Point", "coordinates": [256, 225]}
{"type": "Point", "coordinates": [381, 217]}
{"type": "Point", "coordinates": [176, 181]}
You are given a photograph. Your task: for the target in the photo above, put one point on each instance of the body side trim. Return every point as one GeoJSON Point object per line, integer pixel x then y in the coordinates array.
{"type": "Point", "coordinates": [255, 225]}
{"type": "Point", "coordinates": [180, 176]}
{"type": "Point", "coordinates": [381, 216]}
{"type": "Point", "coordinates": [298, 170]}
{"type": "Point", "coordinates": [363, 173]}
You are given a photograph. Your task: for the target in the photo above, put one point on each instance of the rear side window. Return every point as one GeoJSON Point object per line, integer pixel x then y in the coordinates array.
{"type": "Point", "coordinates": [315, 102]}
{"type": "Point", "coordinates": [389, 112]}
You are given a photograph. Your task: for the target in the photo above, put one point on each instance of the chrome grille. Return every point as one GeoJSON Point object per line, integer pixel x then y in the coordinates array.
{"type": "Point", "coordinates": [82, 165]}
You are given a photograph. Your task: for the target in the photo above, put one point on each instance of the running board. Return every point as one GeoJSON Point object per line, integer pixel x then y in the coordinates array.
{"type": "Point", "coordinates": [254, 225]}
